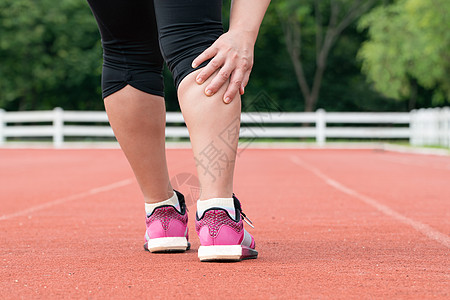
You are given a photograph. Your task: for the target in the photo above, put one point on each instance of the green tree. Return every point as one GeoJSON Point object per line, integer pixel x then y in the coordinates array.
{"type": "Point", "coordinates": [408, 49]}
{"type": "Point", "coordinates": [319, 23]}
{"type": "Point", "coordinates": [50, 55]}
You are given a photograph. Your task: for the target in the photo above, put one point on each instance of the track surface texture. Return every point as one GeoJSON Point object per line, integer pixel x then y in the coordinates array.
{"type": "Point", "coordinates": [341, 224]}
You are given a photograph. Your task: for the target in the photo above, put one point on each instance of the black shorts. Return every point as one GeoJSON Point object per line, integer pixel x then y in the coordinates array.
{"type": "Point", "coordinates": [139, 35]}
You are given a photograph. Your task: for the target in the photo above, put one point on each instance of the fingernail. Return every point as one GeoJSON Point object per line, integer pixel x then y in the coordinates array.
{"type": "Point", "coordinates": [199, 80]}
{"type": "Point", "coordinates": [209, 93]}
{"type": "Point", "coordinates": [227, 100]}
{"type": "Point", "coordinates": [194, 65]}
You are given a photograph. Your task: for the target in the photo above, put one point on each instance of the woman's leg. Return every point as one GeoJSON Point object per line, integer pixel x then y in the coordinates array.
{"type": "Point", "coordinates": [133, 88]}
{"type": "Point", "coordinates": [138, 121]}
{"type": "Point", "coordinates": [214, 132]}
{"type": "Point", "coordinates": [186, 29]}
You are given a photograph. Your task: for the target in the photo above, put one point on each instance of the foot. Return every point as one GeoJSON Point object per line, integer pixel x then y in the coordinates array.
{"type": "Point", "coordinates": [222, 234]}
{"type": "Point", "coordinates": [167, 229]}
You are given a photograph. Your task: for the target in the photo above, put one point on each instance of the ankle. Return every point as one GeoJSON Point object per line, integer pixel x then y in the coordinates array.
{"type": "Point", "coordinates": [172, 201]}
{"type": "Point", "coordinates": [223, 203]}
{"type": "Point", "coordinates": [156, 198]}
{"type": "Point", "coordinates": [216, 193]}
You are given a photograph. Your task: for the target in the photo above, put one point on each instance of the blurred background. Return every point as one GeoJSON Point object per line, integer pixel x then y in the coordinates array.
{"type": "Point", "coordinates": [340, 55]}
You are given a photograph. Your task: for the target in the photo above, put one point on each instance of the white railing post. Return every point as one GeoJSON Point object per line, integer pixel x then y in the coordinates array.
{"type": "Point", "coordinates": [413, 128]}
{"type": "Point", "coordinates": [445, 114]}
{"type": "Point", "coordinates": [439, 120]}
{"type": "Point", "coordinates": [428, 126]}
{"type": "Point", "coordinates": [58, 123]}
{"type": "Point", "coordinates": [435, 124]}
{"type": "Point", "coordinates": [419, 125]}
{"type": "Point", "coordinates": [2, 126]}
{"type": "Point", "coordinates": [320, 127]}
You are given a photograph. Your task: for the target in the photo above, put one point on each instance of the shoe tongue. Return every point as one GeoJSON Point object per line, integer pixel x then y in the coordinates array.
{"type": "Point", "coordinates": [222, 203]}
{"type": "Point", "coordinates": [172, 201]}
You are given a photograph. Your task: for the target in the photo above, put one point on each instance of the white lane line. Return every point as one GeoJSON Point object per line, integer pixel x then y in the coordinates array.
{"type": "Point", "coordinates": [420, 227]}
{"type": "Point", "coordinates": [90, 192]}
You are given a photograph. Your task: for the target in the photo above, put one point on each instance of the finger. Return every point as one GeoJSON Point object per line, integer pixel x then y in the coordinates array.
{"type": "Point", "coordinates": [204, 56]}
{"type": "Point", "coordinates": [234, 86]}
{"type": "Point", "coordinates": [219, 79]}
{"type": "Point", "coordinates": [210, 68]}
{"type": "Point", "coordinates": [244, 83]}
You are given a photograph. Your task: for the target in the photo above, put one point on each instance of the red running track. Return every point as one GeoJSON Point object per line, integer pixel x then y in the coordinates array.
{"type": "Point", "coordinates": [329, 224]}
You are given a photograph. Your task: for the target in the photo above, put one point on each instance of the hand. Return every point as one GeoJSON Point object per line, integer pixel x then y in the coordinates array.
{"type": "Point", "coordinates": [232, 53]}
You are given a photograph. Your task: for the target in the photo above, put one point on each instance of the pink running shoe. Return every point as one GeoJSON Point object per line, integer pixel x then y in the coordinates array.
{"type": "Point", "coordinates": [167, 229]}
{"type": "Point", "coordinates": [223, 238]}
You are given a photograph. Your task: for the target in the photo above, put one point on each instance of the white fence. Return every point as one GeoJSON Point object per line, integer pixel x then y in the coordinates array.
{"type": "Point", "coordinates": [420, 127]}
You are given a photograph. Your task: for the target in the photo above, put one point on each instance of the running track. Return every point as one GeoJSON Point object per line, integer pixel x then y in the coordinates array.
{"type": "Point", "coordinates": [359, 224]}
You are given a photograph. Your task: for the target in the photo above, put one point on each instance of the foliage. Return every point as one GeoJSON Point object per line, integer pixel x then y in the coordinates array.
{"type": "Point", "coordinates": [50, 55]}
{"type": "Point", "coordinates": [408, 46]}
{"type": "Point", "coordinates": [311, 29]}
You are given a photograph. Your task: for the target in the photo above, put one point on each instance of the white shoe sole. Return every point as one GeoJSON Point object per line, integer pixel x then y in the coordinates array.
{"type": "Point", "coordinates": [226, 253]}
{"type": "Point", "coordinates": [167, 244]}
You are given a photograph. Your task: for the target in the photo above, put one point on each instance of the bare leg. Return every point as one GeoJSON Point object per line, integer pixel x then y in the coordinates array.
{"type": "Point", "coordinates": [138, 120]}
{"type": "Point", "coordinates": [214, 132]}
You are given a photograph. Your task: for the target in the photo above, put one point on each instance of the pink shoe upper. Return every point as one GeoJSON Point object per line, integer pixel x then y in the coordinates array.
{"type": "Point", "coordinates": [167, 221]}
{"type": "Point", "coordinates": [216, 227]}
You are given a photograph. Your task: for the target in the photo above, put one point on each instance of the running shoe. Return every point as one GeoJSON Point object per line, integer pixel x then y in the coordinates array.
{"type": "Point", "coordinates": [167, 229]}
{"type": "Point", "coordinates": [222, 237]}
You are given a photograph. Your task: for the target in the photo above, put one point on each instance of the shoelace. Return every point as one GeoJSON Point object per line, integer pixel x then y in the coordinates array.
{"type": "Point", "coordinates": [247, 220]}
{"type": "Point", "coordinates": [244, 217]}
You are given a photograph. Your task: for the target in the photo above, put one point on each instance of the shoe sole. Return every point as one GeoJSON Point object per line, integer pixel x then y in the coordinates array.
{"type": "Point", "coordinates": [226, 253]}
{"type": "Point", "coordinates": [167, 244]}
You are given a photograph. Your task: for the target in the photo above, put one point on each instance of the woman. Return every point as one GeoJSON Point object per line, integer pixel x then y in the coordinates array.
{"type": "Point", "coordinates": [211, 70]}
